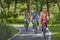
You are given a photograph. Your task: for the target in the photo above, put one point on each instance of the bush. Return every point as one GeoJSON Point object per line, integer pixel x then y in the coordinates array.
{"type": "Point", "coordinates": [6, 31]}
{"type": "Point", "coordinates": [19, 21]}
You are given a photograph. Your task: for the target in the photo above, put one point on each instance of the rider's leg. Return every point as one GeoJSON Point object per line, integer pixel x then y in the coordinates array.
{"type": "Point", "coordinates": [42, 27]}
{"type": "Point", "coordinates": [33, 27]}
{"type": "Point", "coordinates": [33, 24]}
{"type": "Point", "coordinates": [46, 27]}
{"type": "Point", "coordinates": [25, 24]}
{"type": "Point", "coordinates": [37, 25]}
{"type": "Point", "coordinates": [28, 23]}
{"type": "Point", "coordinates": [46, 24]}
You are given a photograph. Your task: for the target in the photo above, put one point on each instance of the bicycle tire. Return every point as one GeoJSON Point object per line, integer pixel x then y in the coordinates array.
{"type": "Point", "coordinates": [44, 31]}
{"type": "Point", "coordinates": [26, 27]}
{"type": "Point", "coordinates": [35, 30]}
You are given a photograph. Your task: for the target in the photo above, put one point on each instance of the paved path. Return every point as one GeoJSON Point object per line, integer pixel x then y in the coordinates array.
{"type": "Point", "coordinates": [29, 35]}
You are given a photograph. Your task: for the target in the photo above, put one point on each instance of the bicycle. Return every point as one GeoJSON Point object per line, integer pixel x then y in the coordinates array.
{"type": "Point", "coordinates": [35, 25]}
{"type": "Point", "coordinates": [26, 24]}
{"type": "Point", "coordinates": [44, 28]}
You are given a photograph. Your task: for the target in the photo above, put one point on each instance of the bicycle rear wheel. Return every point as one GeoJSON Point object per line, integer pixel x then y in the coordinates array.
{"type": "Point", "coordinates": [35, 30]}
{"type": "Point", "coordinates": [26, 26]}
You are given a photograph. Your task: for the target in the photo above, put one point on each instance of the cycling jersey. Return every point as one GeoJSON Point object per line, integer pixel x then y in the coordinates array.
{"type": "Point", "coordinates": [35, 15]}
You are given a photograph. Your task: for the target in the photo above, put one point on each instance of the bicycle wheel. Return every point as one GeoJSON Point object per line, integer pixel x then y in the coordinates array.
{"type": "Point", "coordinates": [44, 31]}
{"type": "Point", "coordinates": [35, 29]}
{"type": "Point", "coordinates": [26, 26]}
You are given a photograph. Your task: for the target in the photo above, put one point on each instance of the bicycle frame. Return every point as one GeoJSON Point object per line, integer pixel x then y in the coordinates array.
{"type": "Point", "coordinates": [26, 24]}
{"type": "Point", "coordinates": [44, 28]}
{"type": "Point", "coordinates": [35, 25]}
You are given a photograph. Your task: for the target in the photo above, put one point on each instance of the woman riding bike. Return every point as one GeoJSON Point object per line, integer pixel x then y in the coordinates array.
{"type": "Point", "coordinates": [26, 20]}
{"type": "Point", "coordinates": [44, 18]}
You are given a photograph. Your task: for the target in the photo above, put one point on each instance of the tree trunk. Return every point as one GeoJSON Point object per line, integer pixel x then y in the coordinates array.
{"type": "Point", "coordinates": [30, 6]}
{"type": "Point", "coordinates": [0, 6]}
{"type": "Point", "coordinates": [58, 7]}
{"type": "Point", "coordinates": [47, 2]}
{"type": "Point", "coordinates": [15, 6]}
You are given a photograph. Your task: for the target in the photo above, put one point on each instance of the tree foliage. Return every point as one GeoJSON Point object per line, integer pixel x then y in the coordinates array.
{"type": "Point", "coordinates": [15, 8]}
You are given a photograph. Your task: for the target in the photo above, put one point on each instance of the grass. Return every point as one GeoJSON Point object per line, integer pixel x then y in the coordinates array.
{"type": "Point", "coordinates": [7, 31]}
{"type": "Point", "coordinates": [55, 32]}
{"type": "Point", "coordinates": [20, 17]}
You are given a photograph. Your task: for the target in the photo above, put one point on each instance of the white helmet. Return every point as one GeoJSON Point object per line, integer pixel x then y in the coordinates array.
{"type": "Point", "coordinates": [44, 7]}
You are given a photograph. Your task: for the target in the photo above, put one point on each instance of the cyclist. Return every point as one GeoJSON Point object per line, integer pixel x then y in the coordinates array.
{"type": "Point", "coordinates": [26, 19]}
{"type": "Point", "coordinates": [35, 15]}
{"type": "Point", "coordinates": [44, 17]}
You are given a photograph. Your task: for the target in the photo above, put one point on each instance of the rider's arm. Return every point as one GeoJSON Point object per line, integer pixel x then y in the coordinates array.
{"type": "Point", "coordinates": [28, 15]}
{"type": "Point", "coordinates": [31, 17]}
{"type": "Point", "coordinates": [38, 14]}
{"type": "Point", "coordinates": [40, 17]}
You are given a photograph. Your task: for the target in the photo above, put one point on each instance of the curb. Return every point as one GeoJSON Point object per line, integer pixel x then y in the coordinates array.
{"type": "Point", "coordinates": [15, 35]}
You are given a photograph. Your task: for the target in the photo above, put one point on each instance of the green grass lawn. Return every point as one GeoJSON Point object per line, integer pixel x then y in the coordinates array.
{"type": "Point", "coordinates": [55, 32]}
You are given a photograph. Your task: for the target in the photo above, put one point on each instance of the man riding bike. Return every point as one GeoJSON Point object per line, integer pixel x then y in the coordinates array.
{"type": "Point", "coordinates": [44, 17]}
{"type": "Point", "coordinates": [26, 19]}
{"type": "Point", "coordinates": [35, 16]}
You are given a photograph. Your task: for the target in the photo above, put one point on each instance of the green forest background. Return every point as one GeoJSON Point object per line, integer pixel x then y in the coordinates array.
{"type": "Point", "coordinates": [12, 12]}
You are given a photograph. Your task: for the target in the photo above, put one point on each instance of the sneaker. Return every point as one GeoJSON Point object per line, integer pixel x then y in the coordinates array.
{"type": "Point", "coordinates": [33, 30]}
{"type": "Point", "coordinates": [47, 28]}
{"type": "Point", "coordinates": [38, 27]}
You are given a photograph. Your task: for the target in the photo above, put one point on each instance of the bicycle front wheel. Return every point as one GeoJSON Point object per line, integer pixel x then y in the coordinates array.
{"type": "Point", "coordinates": [44, 31]}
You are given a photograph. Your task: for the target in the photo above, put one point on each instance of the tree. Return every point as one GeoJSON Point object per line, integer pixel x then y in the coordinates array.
{"type": "Point", "coordinates": [0, 6]}
{"type": "Point", "coordinates": [55, 2]}
{"type": "Point", "coordinates": [47, 4]}
{"type": "Point", "coordinates": [58, 4]}
{"type": "Point", "coordinates": [15, 6]}
{"type": "Point", "coordinates": [30, 6]}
